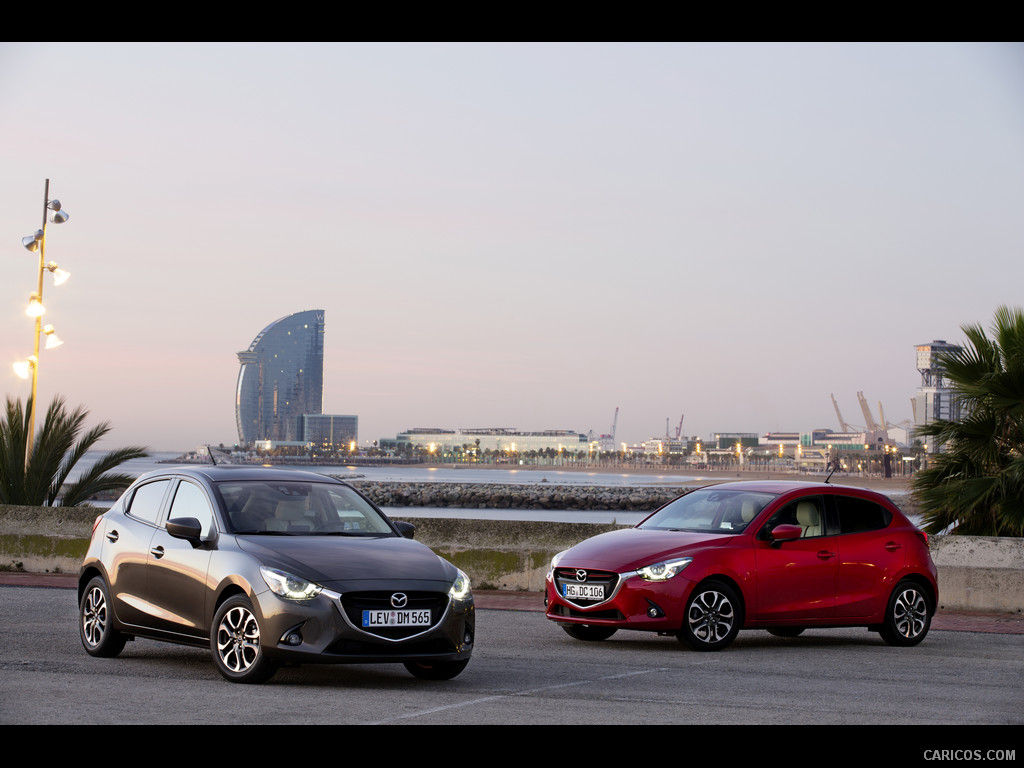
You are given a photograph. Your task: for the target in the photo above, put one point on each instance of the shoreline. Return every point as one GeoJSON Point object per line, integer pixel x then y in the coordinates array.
{"type": "Point", "coordinates": [872, 482]}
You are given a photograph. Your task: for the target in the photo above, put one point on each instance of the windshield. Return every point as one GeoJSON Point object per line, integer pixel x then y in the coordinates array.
{"type": "Point", "coordinates": [709, 510]}
{"type": "Point", "coordinates": [297, 508]}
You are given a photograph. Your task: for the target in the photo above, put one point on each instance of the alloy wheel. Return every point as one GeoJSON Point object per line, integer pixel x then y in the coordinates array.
{"type": "Point", "coordinates": [238, 639]}
{"type": "Point", "coordinates": [910, 614]}
{"type": "Point", "coordinates": [711, 617]}
{"type": "Point", "coordinates": [94, 616]}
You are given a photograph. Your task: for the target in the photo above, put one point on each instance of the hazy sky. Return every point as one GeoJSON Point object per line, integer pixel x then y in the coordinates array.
{"type": "Point", "coordinates": [512, 235]}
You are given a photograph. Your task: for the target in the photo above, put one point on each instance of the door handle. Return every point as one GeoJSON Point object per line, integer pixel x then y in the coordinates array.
{"type": "Point", "coordinates": [892, 546]}
{"type": "Point", "coordinates": [157, 552]}
{"type": "Point", "coordinates": [824, 554]}
{"type": "Point", "coordinates": [112, 536]}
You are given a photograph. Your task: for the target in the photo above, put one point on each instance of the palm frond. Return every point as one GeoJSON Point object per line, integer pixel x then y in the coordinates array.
{"type": "Point", "coordinates": [38, 479]}
{"type": "Point", "coordinates": [976, 485]}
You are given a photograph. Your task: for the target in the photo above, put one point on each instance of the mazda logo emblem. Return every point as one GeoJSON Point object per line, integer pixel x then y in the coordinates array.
{"type": "Point", "coordinates": [399, 600]}
{"type": "Point", "coordinates": [581, 575]}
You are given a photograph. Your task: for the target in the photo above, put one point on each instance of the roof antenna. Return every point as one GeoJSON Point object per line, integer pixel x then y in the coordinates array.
{"type": "Point", "coordinates": [830, 473]}
{"type": "Point", "coordinates": [209, 450]}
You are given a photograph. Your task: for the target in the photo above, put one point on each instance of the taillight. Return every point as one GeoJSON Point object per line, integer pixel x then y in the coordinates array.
{"type": "Point", "coordinates": [95, 525]}
{"type": "Point", "coordinates": [922, 536]}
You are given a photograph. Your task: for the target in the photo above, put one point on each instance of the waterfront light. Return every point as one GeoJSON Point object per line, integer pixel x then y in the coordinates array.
{"type": "Point", "coordinates": [35, 306]}
{"type": "Point", "coordinates": [59, 275]}
{"type": "Point", "coordinates": [37, 243]}
{"type": "Point", "coordinates": [52, 339]}
{"type": "Point", "coordinates": [24, 367]}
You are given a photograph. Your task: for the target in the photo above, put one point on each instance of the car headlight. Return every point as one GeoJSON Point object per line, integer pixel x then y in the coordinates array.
{"type": "Point", "coordinates": [460, 589]}
{"type": "Point", "coordinates": [663, 571]}
{"type": "Point", "coordinates": [289, 586]}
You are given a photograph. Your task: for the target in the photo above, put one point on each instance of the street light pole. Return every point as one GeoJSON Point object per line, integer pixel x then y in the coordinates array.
{"type": "Point", "coordinates": [37, 242]}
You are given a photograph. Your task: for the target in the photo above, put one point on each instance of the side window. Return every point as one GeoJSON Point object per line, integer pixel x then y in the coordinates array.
{"type": "Point", "coordinates": [145, 503]}
{"type": "Point", "coordinates": [808, 513]}
{"type": "Point", "coordinates": [859, 515]}
{"type": "Point", "coordinates": [191, 501]}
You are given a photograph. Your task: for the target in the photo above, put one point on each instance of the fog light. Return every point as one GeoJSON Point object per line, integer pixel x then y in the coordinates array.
{"type": "Point", "coordinates": [292, 638]}
{"type": "Point", "coordinates": [654, 611]}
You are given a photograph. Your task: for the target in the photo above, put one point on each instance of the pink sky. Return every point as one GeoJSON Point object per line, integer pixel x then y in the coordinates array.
{"type": "Point", "coordinates": [514, 235]}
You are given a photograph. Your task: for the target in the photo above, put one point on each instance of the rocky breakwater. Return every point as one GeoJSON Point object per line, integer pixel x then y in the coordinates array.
{"type": "Point", "coordinates": [508, 496]}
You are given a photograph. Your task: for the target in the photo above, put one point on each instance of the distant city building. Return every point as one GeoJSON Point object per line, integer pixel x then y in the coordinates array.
{"type": "Point", "coordinates": [729, 440]}
{"type": "Point", "coordinates": [666, 446]}
{"type": "Point", "coordinates": [281, 379]}
{"type": "Point", "coordinates": [493, 439]}
{"type": "Point", "coordinates": [934, 400]}
{"type": "Point", "coordinates": [329, 432]}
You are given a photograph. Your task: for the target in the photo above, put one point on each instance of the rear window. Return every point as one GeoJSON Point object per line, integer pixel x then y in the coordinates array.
{"type": "Point", "coordinates": [857, 515]}
{"type": "Point", "coordinates": [145, 502]}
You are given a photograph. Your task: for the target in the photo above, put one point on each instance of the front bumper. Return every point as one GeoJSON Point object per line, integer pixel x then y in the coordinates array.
{"type": "Point", "coordinates": [630, 602]}
{"type": "Point", "coordinates": [327, 629]}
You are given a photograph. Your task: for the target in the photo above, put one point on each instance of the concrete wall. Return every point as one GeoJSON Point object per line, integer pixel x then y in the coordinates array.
{"type": "Point", "coordinates": [975, 573]}
{"type": "Point", "coordinates": [980, 573]}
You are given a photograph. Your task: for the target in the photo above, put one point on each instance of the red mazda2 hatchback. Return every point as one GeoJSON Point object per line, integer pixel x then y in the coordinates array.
{"type": "Point", "coordinates": [778, 556]}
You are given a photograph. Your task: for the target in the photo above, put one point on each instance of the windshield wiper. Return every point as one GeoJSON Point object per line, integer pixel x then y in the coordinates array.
{"type": "Point", "coordinates": [265, 533]}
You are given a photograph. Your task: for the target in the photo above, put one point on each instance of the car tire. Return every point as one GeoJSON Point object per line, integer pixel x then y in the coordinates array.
{"type": "Point", "coordinates": [590, 632]}
{"type": "Point", "coordinates": [713, 618]}
{"type": "Point", "coordinates": [95, 621]}
{"type": "Point", "coordinates": [442, 670]}
{"type": "Point", "coordinates": [907, 616]}
{"type": "Point", "coordinates": [237, 645]}
{"type": "Point", "coordinates": [786, 631]}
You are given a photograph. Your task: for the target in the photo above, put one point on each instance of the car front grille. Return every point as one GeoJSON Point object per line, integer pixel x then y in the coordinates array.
{"type": "Point", "coordinates": [608, 580]}
{"type": "Point", "coordinates": [354, 603]}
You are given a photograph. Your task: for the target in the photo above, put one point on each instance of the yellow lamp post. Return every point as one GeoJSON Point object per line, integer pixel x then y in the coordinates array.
{"type": "Point", "coordinates": [37, 243]}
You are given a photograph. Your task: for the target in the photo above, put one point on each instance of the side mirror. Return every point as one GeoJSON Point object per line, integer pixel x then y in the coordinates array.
{"type": "Point", "coordinates": [408, 530]}
{"type": "Point", "coordinates": [784, 532]}
{"type": "Point", "coordinates": [187, 528]}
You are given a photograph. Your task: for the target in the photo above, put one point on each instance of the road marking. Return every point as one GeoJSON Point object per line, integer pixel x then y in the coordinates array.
{"type": "Point", "coordinates": [529, 692]}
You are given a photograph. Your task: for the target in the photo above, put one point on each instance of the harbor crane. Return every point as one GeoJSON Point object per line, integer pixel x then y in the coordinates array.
{"type": "Point", "coordinates": [868, 418]}
{"type": "Point", "coordinates": [843, 426]}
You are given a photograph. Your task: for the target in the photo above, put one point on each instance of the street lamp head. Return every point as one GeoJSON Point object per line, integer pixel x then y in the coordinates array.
{"type": "Point", "coordinates": [52, 339]}
{"type": "Point", "coordinates": [59, 275]}
{"type": "Point", "coordinates": [31, 242]}
{"type": "Point", "coordinates": [24, 367]}
{"type": "Point", "coordinates": [35, 306]}
{"type": "Point", "coordinates": [59, 216]}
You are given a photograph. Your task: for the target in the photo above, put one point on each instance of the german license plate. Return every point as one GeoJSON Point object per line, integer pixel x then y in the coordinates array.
{"type": "Point", "coordinates": [583, 591]}
{"type": "Point", "coordinates": [419, 618]}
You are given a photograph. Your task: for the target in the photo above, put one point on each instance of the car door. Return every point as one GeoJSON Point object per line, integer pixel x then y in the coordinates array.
{"type": "Point", "coordinates": [177, 569]}
{"type": "Point", "coordinates": [796, 579]}
{"type": "Point", "coordinates": [128, 538]}
{"type": "Point", "coordinates": [870, 555]}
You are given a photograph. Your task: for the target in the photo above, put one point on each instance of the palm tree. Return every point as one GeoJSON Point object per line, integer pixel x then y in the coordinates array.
{"type": "Point", "coordinates": [59, 446]}
{"type": "Point", "coordinates": [976, 485]}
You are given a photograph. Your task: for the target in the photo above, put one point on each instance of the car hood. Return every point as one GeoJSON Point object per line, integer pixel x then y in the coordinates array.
{"type": "Point", "coordinates": [631, 548]}
{"type": "Point", "coordinates": [333, 560]}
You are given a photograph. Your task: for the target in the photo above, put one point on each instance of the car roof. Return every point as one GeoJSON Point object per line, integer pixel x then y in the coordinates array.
{"type": "Point", "coordinates": [238, 472]}
{"type": "Point", "coordinates": [780, 487]}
